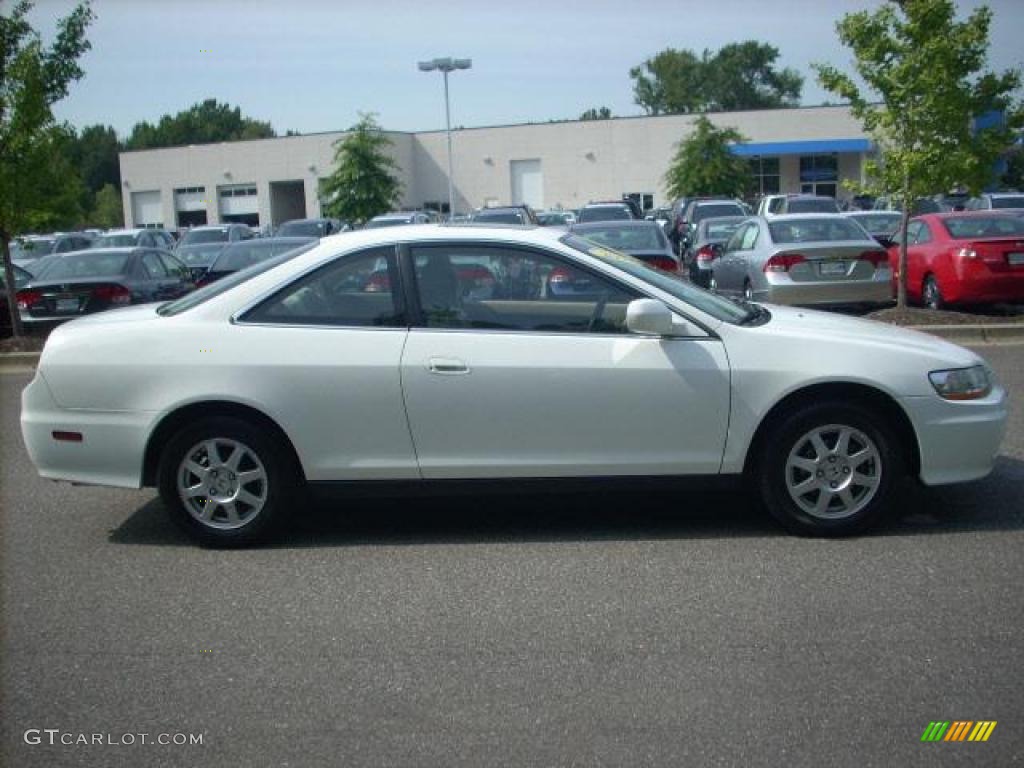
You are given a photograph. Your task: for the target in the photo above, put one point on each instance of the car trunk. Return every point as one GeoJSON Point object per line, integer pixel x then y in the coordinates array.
{"type": "Point", "coordinates": [828, 262]}
{"type": "Point", "coordinates": [998, 254]}
{"type": "Point", "coordinates": [73, 298]}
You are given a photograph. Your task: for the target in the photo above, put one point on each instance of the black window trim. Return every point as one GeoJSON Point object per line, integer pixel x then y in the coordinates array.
{"type": "Point", "coordinates": [402, 314]}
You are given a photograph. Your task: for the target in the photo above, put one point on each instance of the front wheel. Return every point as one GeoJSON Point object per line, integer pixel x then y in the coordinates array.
{"type": "Point", "coordinates": [225, 483]}
{"type": "Point", "coordinates": [828, 470]}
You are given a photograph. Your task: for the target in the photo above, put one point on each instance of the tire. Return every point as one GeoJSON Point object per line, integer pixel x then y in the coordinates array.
{"type": "Point", "coordinates": [931, 294]}
{"type": "Point", "coordinates": [224, 508]}
{"type": "Point", "coordinates": [815, 487]}
{"type": "Point", "coordinates": [712, 284]}
{"type": "Point", "coordinates": [748, 291]}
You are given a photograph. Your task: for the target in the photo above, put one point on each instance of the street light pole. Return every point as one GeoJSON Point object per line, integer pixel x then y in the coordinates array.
{"type": "Point", "coordinates": [447, 65]}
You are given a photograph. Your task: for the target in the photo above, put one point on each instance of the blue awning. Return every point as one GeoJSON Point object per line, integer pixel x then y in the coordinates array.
{"type": "Point", "coordinates": [822, 147]}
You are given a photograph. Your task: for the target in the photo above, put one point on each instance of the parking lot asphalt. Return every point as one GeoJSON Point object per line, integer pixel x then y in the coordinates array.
{"type": "Point", "coordinates": [594, 629]}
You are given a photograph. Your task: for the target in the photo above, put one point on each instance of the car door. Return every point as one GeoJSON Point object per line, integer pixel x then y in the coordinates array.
{"type": "Point", "coordinates": [918, 246]}
{"type": "Point", "coordinates": [727, 268]}
{"type": "Point", "coordinates": [157, 284]}
{"type": "Point", "coordinates": [326, 349]}
{"type": "Point", "coordinates": [179, 273]}
{"type": "Point", "coordinates": [518, 364]}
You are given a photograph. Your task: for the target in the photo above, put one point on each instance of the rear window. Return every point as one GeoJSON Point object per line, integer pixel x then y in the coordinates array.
{"type": "Point", "coordinates": [84, 264]}
{"type": "Point", "coordinates": [606, 213]}
{"type": "Point", "coordinates": [115, 241]}
{"type": "Point", "coordinates": [377, 223]}
{"type": "Point", "coordinates": [1008, 202]}
{"type": "Point", "coordinates": [720, 231]}
{"type": "Point", "coordinates": [499, 217]}
{"type": "Point", "coordinates": [966, 227]}
{"type": "Point", "coordinates": [199, 257]}
{"type": "Point", "coordinates": [824, 230]}
{"type": "Point", "coordinates": [302, 229]}
{"type": "Point", "coordinates": [627, 238]}
{"type": "Point", "coordinates": [242, 255]}
{"type": "Point", "coordinates": [812, 206]}
{"type": "Point", "coordinates": [701, 212]}
{"type": "Point", "coordinates": [32, 249]}
{"type": "Point", "coordinates": [195, 237]}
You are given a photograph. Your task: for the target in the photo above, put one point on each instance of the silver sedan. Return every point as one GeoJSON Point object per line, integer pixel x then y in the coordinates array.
{"type": "Point", "coordinates": [804, 259]}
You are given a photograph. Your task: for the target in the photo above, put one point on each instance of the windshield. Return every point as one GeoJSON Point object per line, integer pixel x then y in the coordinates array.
{"type": "Point", "coordinates": [499, 217]}
{"type": "Point", "coordinates": [823, 230]}
{"type": "Point", "coordinates": [243, 255]}
{"type": "Point", "coordinates": [377, 223]}
{"type": "Point", "coordinates": [207, 292]}
{"type": "Point", "coordinates": [32, 249]}
{"type": "Point", "coordinates": [114, 241]}
{"type": "Point", "coordinates": [716, 306]}
{"type": "Point", "coordinates": [84, 264]}
{"type": "Point", "coordinates": [302, 229]}
{"type": "Point", "coordinates": [966, 227]}
{"type": "Point", "coordinates": [199, 256]}
{"type": "Point", "coordinates": [627, 238]}
{"type": "Point", "coordinates": [812, 206]}
{"type": "Point", "coordinates": [1008, 202]}
{"type": "Point", "coordinates": [197, 236]}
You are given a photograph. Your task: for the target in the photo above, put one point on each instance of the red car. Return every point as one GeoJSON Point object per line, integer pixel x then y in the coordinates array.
{"type": "Point", "coordinates": [963, 258]}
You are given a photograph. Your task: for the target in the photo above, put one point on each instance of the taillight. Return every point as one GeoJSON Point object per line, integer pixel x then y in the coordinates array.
{"type": "Point", "coordinates": [379, 282]}
{"type": "Point", "coordinates": [706, 254]}
{"type": "Point", "coordinates": [781, 262]}
{"type": "Point", "coordinates": [664, 264]}
{"type": "Point", "coordinates": [112, 294]}
{"type": "Point", "coordinates": [560, 275]}
{"type": "Point", "coordinates": [967, 253]}
{"type": "Point", "coordinates": [27, 298]}
{"type": "Point", "coordinates": [877, 258]}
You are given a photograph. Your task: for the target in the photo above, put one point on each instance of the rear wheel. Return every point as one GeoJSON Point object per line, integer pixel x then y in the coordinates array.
{"type": "Point", "coordinates": [225, 483]}
{"type": "Point", "coordinates": [829, 470]}
{"type": "Point", "coordinates": [748, 291]}
{"type": "Point", "coordinates": [931, 294]}
{"type": "Point", "coordinates": [712, 284]}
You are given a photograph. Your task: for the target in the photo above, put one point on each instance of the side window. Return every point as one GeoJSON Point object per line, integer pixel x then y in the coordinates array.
{"type": "Point", "coordinates": [750, 237]}
{"type": "Point", "coordinates": [152, 266]}
{"type": "Point", "coordinates": [924, 234]}
{"type": "Point", "coordinates": [737, 238]}
{"type": "Point", "coordinates": [774, 206]}
{"type": "Point", "coordinates": [63, 246]}
{"type": "Point", "coordinates": [514, 289]}
{"type": "Point", "coordinates": [913, 232]}
{"type": "Point", "coordinates": [360, 289]}
{"type": "Point", "coordinates": [174, 267]}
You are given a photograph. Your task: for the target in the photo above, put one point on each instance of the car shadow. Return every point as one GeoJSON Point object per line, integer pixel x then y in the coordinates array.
{"type": "Point", "coordinates": [988, 504]}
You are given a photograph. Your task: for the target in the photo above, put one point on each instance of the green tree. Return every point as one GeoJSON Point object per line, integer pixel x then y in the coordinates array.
{"type": "Point", "coordinates": [705, 165]}
{"type": "Point", "coordinates": [34, 170]}
{"type": "Point", "coordinates": [108, 212]}
{"type": "Point", "coordinates": [597, 113]}
{"type": "Point", "coordinates": [94, 151]}
{"type": "Point", "coordinates": [362, 184]}
{"type": "Point", "coordinates": [204, 123]}
{"type": "Point", "coordinates": [1013, 175]}
{"type": "Point", "coordinates": [737, 76]}
{"type": "Point", "coordinates": [927, 82]}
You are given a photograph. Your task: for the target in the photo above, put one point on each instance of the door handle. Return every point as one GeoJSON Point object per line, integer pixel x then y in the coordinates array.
{"type": "Point", "coordinates": [447, 366]}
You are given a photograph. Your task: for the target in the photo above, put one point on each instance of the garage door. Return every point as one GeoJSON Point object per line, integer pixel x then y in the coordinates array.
{"type": "Point", "coordinates": [146, 209]}
{"type": "Point", "coordinates": [527, 183]}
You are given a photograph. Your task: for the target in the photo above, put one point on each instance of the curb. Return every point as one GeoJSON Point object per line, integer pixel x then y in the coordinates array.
{"type": "Point", "coordinates": [17, 362]}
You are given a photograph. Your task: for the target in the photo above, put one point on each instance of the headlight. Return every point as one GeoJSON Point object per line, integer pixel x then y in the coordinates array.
{"type": "Point", "coordinates": [962, 383]}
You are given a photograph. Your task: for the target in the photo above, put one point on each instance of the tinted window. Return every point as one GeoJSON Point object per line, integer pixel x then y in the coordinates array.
{"type": "Point", "coordinates": [500, 217]}
{"type": "Point", "coordinates": [377, 223]}
{"type": "Point", "coordinates": [354, 290]}
{"type": "Point", "coordinates": [174, 267]}
{"type": "Point", "coordinates": [984, 226]}
{"type": "Point", "coordinates": [197, 236]}
{"type": "Point", "coordinates": [815, 230]}
{"type": "Point", "coordinates": [605, 213]}
{"type": "Point", "coordinates": [514, 289]}
{"type": "Point", "coordinates": [84, 264]}
{"type": "Point", "coordinates": [302, 229]}
{"type": "Point", "coordinates": [152, 266]}
{"type": "Point", "coordinates": [812, 206]}
{"type": "Point", "coordinates": [701, 212]}
{"type": "Point", "coordinates": [242, 255]}
{"type": "Point", "coordinates": [1008, 202]}
{"type": "Point", "coordinates": [223, 285]}
{"type": "Point", "coordinates": [627, 238]}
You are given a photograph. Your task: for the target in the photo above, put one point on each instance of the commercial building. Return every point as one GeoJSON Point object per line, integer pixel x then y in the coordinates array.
{"type": "Point", "coordinates": [547, 165]}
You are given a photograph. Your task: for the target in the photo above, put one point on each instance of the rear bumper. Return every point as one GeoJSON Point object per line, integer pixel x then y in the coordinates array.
{"type": "Point", "coordinates": [111, 450]}
{"type": "Point", "coordinates": [979, 284]}
{"type": "Point", "coordinates": [782, 290]}
{"type": "Point", "coordinates": [958, 441]}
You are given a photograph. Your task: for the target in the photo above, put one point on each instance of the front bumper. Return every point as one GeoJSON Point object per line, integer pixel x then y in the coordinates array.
{"type": "Point", "coordinates": [958, 440]}
{"type": "Point", "coordinates": [112, 448]}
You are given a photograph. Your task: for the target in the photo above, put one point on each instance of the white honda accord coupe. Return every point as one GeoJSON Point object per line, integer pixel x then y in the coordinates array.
{"type": "Point", "coordinates": [465, 354]}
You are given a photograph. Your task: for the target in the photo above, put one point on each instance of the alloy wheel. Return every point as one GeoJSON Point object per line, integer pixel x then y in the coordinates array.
{"type": "Point", "coordinates": [222, 483]}
{"type": "Point", "coordinates": [833, 471]}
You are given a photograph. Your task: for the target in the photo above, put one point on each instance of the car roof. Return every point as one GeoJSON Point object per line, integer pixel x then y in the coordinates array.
{"type": "Point", "coordinates": [615, 224]}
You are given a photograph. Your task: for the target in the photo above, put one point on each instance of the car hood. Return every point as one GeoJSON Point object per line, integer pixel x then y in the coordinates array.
{"type": "Point", "coordinates": [808, 325]}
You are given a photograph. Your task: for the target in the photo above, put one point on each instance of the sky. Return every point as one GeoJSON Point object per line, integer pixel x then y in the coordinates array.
{"type": "Point", "coordinates": [314, 65]}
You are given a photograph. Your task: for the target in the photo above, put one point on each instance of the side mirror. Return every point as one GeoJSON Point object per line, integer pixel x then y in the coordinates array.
{"type": "Point", "coordinates": [648, 317]}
